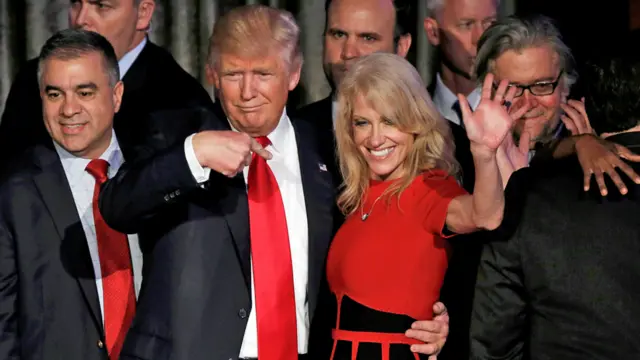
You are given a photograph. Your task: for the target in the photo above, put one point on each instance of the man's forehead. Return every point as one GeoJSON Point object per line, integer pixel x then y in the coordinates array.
{"type": "Point", "coordinates": [471, 9]}
{"type": "Point", "coordinates": [78, 70]}
{"type": "Point", "coordinates": [362, 15]}
{"type": "Point", "coordinates": [528, 65]}
{"type": "Point", "coordinates": [272, 60]}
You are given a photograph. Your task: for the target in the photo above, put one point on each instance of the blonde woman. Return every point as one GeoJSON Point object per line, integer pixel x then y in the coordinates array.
{"type": "Point", "coordinates": [387, 262]}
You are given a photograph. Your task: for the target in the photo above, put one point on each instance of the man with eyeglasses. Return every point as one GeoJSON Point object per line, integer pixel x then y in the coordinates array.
{"type": "Point", "coordinates": [530, 53]}
{"type": "Point", "coordinates": [565, 284]}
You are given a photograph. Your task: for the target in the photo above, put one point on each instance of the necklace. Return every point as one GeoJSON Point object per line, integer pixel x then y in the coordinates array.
{"type": "Point", "coordinates": [365, 215]}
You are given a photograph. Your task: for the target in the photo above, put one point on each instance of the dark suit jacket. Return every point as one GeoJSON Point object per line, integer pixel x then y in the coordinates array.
{"type": "Point", "coordinates": [320, 116]}
{"type": "Point", "coordinates": [49, 306]}
{"type": "Point", "coordinates": [565, 285]}
{"type": "Point", "coordinates": [155, 81]}
{"type": "Point", "coordinates": [196, 298]}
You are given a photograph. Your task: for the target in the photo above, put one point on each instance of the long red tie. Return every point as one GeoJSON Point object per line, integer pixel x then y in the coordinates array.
{"type": "Point", "coordinates": [272, 268]}
{"type": "Point", "coordinates": [117, 274]}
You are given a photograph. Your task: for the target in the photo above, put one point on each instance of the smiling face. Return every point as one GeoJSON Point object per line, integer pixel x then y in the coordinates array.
{"type": "Point", "coordinates": [381, 143]}
{"type": "Point", "coordinates": [79, 103]}
{"type": "Point", "coordinates": [527, 67]}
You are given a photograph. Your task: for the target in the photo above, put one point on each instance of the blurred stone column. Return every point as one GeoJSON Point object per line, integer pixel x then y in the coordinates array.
{"type": "Point", "coordinates": [311, 19]}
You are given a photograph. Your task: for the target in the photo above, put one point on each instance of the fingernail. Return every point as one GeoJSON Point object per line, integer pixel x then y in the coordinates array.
{"type": "Point", "coordinates": [414, 348]}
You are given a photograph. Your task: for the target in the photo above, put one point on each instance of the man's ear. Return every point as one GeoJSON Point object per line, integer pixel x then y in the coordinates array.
{"type": "Point", "coordinates": [432, 30]}
{"type": "Point", "coordinates": [404, 44]}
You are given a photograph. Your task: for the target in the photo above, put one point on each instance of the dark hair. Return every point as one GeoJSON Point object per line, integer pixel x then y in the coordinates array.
{"type": "Point", "coordinates": [405, 18]}
{"type": "Point", "coordinates": [70, 44]}
{"type": "Point", "coordinates": [612, 93]}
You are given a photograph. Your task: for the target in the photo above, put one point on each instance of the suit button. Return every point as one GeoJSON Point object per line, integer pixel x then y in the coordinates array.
{"type": "Point", "coordinates": [167, 198]}
{"type": "Point", "coordinates": [100, 344]}
{"type": "Point", "coordinates": [172, 195]}
{"type": "Point", "coordinates": [242, 313]}
{"type": "Point", "coordinates": [177, 192]}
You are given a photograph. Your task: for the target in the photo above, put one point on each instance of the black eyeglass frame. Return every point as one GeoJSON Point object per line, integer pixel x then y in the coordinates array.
{"type": "Point", "coordinates": [522, 88]}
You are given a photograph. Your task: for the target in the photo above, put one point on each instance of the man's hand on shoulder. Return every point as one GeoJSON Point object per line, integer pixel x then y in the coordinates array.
{"type": "Point", "coordinates": [226, 152]}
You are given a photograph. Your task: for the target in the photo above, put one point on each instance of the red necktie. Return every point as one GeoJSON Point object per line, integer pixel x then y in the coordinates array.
{"type": "Point", "coordinates": [117, 275]}
{"type": "Point", "coordinates": [272, 269]}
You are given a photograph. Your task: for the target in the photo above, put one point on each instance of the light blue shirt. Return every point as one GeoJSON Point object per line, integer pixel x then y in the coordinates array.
{"type": "Point", "coordinates": [127, 60]}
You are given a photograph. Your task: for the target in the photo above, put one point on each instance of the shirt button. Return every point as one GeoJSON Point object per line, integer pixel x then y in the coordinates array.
{"type": "Point", "coordinates": [242, 313]}
{"type": "Point", "coordinates": [100, 344]}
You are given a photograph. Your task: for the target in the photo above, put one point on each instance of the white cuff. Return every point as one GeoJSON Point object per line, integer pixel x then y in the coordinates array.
{"type": "Point", "coordinates": [201, 174]}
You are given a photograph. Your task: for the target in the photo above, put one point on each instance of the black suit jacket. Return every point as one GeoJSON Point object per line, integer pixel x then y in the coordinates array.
{"type": "Point", "coordinates": [49, 306]}
{"type": "Point", "coordinates": [197, 297]}
{"type": "Point", "coordinates": [155, 81]}
{"type": "Point", "coordinates": [565, 285]}
{"type": "Point", "coordinates": [320, 116]}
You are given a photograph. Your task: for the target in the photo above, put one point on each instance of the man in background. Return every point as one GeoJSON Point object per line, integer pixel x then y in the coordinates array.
{"type": "Point", "coordinates": [145, 68]}
{"type": "Point", "coordinates": [564, 285]}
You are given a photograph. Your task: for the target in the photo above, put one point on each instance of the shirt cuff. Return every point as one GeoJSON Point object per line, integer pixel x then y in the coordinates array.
{"type": "Point", "coordinates": [201, 174]}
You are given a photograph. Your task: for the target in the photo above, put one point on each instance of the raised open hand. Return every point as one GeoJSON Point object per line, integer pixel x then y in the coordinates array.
{"type": "Point", "coordinates": [490, 123]}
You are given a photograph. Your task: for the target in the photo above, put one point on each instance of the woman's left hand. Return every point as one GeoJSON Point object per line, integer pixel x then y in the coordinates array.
{"type": "Point", "coordinates": [490, 123]}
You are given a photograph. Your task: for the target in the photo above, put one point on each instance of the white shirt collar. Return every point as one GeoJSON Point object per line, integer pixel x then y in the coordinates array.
{"type": "Point", "coordinates": [127, 60]}
{"type": "Point", "coordinates": [443, 99]}
{"type": "Point", "coordinates": [278, 136]}
{"type": "Point", "coordinates": [75, 167]}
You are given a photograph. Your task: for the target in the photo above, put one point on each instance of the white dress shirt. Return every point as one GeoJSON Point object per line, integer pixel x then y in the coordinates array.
{"type": "Point", "coordinates": [285, 166]}
{"type": "Point", "coordinates": [82, 185]}
{"type": "Point", "coordinates": [127, 60]}
{"type": "Point", "coordinates": [443, 99]}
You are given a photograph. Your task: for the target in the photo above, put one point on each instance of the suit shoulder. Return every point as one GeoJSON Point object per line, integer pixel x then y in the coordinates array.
{"type": "Point", "coordinates": [19, 171]}
{"type": "Point", "coordinates": [173, 73]}
{"type": "Point", "coordinates": [315, 110]}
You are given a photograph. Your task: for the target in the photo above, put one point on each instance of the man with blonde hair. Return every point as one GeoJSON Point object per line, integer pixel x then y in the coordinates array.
{"type": "Point", "coordinates": [241, 208]}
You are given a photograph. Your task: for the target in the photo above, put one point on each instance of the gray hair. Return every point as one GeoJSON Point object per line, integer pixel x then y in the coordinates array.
{"type": "Point", "coordinates": [71, 44]}
{"type": "Point", "coordinates": [514, 33]}
{"type": "Point", "coordinates": [436, 5]}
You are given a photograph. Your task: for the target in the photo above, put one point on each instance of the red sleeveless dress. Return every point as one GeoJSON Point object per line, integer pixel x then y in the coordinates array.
{"type": "Point", "coordinates": [387, 270]}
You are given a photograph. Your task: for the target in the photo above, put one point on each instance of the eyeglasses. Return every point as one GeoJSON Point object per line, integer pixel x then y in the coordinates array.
{"type": "Point", "coordinates": [538, 89]}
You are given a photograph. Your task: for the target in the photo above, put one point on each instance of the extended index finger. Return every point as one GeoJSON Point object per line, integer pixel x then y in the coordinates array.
{"type": "Point", "coordinates": [258, 149]}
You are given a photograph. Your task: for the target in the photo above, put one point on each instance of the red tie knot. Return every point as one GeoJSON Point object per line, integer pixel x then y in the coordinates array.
{"type": "Point", "coordinates": [98, 168]}
{"type": "Point", "coordinates": [263, 140]}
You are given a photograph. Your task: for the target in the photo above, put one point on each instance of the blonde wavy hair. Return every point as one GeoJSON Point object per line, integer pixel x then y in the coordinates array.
{"type": "Point", "coordinates": [254, 30]}
{"type": "Point", "coordinates": [393, 87]}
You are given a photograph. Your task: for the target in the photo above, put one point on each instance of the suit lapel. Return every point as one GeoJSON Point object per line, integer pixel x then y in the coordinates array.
{"type": "Point", "coordinates": [232, 199]}
{"type": "Point", "coordinates": [319, 199]}
{"type": "Point", "coordinates": [235, 207]}
{"type": "Point", "coordinates": [56, 194]}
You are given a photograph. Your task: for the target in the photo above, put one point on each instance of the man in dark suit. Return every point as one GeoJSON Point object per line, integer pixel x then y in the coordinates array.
{"type": "Point", "coordinates": [201, 191]}
{"type": "Point", "coordinates": [145, 69]}
{"type": "Point", "coordinates": [354, 28]}
{"type": "Point", "coordinates": [214, 291]}
{"type": "Point", "coordinates": [564, 286]}
{"type": "Point", "coordinates": [68, 282]}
